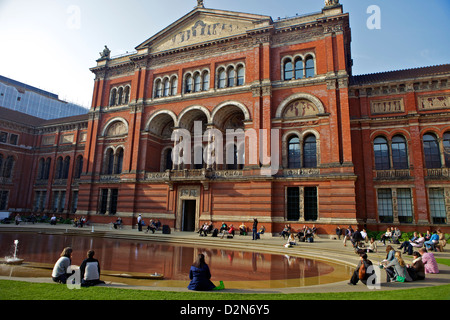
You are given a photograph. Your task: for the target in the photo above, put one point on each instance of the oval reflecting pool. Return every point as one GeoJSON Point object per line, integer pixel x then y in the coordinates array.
{"type": "Point", "coordinates": [238, 269]}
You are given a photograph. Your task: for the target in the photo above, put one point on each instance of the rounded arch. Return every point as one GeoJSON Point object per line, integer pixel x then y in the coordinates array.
{"type": "Point", "coordinates": [111, 122]}
{"type": "Point", "coordinates": [241, 106]}
{"type": "Point", "coordinates": [316, 101]}
{"type": "Point", "coordinates": [158, 114]}
{"type": "Point", "coordinates": [183, 116]}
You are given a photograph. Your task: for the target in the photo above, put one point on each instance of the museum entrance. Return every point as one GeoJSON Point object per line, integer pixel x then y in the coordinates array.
{"type": "Point", "coordinates": [188, 208]}
{"type": "Point", "coordinates": [188, 223]}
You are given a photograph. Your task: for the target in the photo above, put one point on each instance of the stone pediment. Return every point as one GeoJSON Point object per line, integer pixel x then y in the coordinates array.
{"type": "Point", "coordinates": [203, 25]}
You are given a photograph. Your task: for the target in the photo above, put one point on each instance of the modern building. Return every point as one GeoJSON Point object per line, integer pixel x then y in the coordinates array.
{"type": "Point", "coordinates": [36, 102]}
{"type": "Point", "coordinates": [227, 116]}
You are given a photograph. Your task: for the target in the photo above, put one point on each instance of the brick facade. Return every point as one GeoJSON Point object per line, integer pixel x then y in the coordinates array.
{"type": "Point", "coordinates": [292, 76]}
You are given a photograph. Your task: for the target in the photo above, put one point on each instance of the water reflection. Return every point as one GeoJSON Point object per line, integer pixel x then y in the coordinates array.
{"type": "Point", "coordinates": [174, 261]}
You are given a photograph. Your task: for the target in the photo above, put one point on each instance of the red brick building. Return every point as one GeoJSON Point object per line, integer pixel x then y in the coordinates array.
{"type": "Point", "coordinates": [346, 149]}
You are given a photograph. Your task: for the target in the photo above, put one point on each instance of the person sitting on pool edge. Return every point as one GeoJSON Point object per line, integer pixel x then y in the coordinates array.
{"type": "Point", "coordinates": [60, 272]}
{"type": "Point", "coordinates": [200, 276]}
{"type": "Point", "coordinates": [90, 271]}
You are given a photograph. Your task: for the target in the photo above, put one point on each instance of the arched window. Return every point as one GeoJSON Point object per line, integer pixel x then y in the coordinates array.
{"type": "Point", "coordinates": [205, 79]}
{"type": "Point", "coordinates": [158, 89]}
{"type": "Point", "coordinates": [66, 167]}
{"type": "Point", "coordinates": [231, 77]}
{"type": "Point", "coordinates": [294, 152]}
{"type": "Point", "coordinates": [112, 98]}
{"type": "Point", "coordinates": [118, 161]}
{"type": "Point", "coordinates": [78, 167]}
{"type": "Point", "coordinates": [120, 93]}
{"type": "Point", "coordinates": [222, 79]}
{"type": "Point", "coordinates": [288, 70]}
{"type": "Point", "coordinates": [381, 151]}
{"type": "Point", "coordinates": [48, 163]}
{"type": "Point", "coordinates": [188, 84]}
{"type": "Point", "coordinates": [1, 162]}
{"type": "Point", "coordinates": [431, 151]}
{"type": "Point", "coordinates": [399, 153]}
{"type": "Point", "coordinates": [299, 68]}
{"type": "Point", "coordinates": [240, 76]}
{"type": "Point", "coordinates": [8, 167]}
{"type": "Point", "coordinates": [166, 87]}
{"type": "Point", "coordinates": [447, 149]}
{"type": "Point", "coordinates": [59, 168]}
{"type": "Point", "coordinates": [127, 94]}
{"type": "Point", "coordinates": [109, 161]}
{"type": "Point", "coordinates": [310, 152]}
{"type": "Point", "coordinates": [174, 87]}
{"type": "Point", "coordinates": [309, 67]}
{"type": "Point", "coordinates": [197, 82]}
{"type": "Point", "coordinates": [41, 167]}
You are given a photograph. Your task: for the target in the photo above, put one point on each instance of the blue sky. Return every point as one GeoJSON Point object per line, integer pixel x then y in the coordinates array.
{"type": "Point", "coordinates": [51, 44]}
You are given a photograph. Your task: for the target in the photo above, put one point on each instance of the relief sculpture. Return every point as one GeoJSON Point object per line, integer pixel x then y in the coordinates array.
{"type": "Point", "coordinates": [300, 108]}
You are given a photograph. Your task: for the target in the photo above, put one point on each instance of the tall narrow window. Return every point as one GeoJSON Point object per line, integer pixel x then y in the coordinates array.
{"type": "Point", "coordinates": [385, 211]}
{"type": "Point", "coordinates": [188, 84]}
{"type": "Point", "coordinates": [113, 201]}
{"type": "Point", "coordinates": [74, 201]}
{"type": "Point", "coordinates": [158, 89]}
{"type": "Point", "coordinates": [109, 161]}
{"type": "Point", "coordinates": [381, 151]}
{"type": "Point", "coordinates": [112, 99]}
{"type": "Point", "coordinates": [78, 167]}
{"type": "Point", "coordinates": [166, 87]}
{"type": "Point", "coordinates": [288, 70]}
{"type": "Point", "coordinates": [120, 98]}
{"type": "Point", "coordinates": [48, 163]}
{"type": "Point", "coordinates": [309, 67]}
{"type": "Point", "coordinates": [8, 167]}
{"type": "Point", "coordinates": [205, 79]}
{"type": "Point", "coordinates": [294, 153]}
{"type": "Point", "coordinates": [4, 199]}
{"type": "Point", "coordinates": [405, 211]}
{"type": "Point", "coordinates": [299, 68]}
{"type": "Point", "coordinates": [66, 168]}
{"type": "Point", "coordinates": [431, 151]}
{"type": "Point", "coordinates": [174, 87]}
{"type": "Point", "coordinates": [41, 167]}
{"type": "Point", "coordinates": [231, 77]}
{"type": "Point", "coordinates": [310, 152]}
{"type": "Point", "coordinates": [59, 168]}
{"type": "Point", "coordinates": [447, 149]}
{"type": "Point", "coordinates": [310, 202]}
{"type": "Point", "coordinates": [437, 205]}
{"type": "Point", "coordinates": [240, 76]}
{"type": "Point", "coordinates": [222, 79]}
{"type": "Point", "coordinates": [399, 153]}
{"type": "Point", "coordinates": [127, 94]}
{"type": "Point", "coordinates": [103, 201]}
{"type": "Point", "coordinates": [293, 203]}
{"type": "Point", "coordinates": [119, 161]}
{"type": "Point", "coordinates": [197, 82]}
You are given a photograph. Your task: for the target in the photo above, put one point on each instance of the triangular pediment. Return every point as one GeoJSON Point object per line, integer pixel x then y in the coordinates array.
{"type": "Point", "coordinates": [203, 25]}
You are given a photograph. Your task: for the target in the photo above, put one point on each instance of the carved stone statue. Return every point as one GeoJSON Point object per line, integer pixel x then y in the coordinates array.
{"type": "Point", "coordinates": [200, 4]}
{"type": "Point", "coordinates": [105, 53]}
{"type": "Point", "coordinates": [330, 3]}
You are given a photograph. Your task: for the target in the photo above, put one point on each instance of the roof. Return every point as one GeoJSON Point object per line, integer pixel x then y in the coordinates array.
{"type": "Point", "coordinates": [398, 75]}
{"type": "Point", "coordinates": [25, 119]}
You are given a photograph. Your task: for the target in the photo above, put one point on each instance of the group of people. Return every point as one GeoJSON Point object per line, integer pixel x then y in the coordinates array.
{"type": "Point", "coordinates": [397, 270]}
{"type": "Point", "coordinates": [152, 226]}
{"type": "Point", "coordinates": [431, 241]}
{"type": "Point", "coordinates": [230, 231]}
{"type": "Point", "coordinates": [305, 234]}
{"type": "Point", "coordinates": [89, 269]}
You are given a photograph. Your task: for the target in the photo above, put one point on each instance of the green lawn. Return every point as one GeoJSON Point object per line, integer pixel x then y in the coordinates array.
{"type": "Point", "coordinates": [20, 290]}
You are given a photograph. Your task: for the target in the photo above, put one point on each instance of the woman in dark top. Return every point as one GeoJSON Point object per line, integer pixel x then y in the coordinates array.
{"type": "Point", "coordinates": [200, 276]}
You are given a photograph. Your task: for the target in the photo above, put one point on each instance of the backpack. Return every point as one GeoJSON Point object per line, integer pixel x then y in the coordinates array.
{"type": "Point", "coordinates": [362, 271]}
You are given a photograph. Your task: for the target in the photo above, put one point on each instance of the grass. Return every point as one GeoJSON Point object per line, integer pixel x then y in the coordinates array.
{"type": "Point", "coordinates": [21, 290]}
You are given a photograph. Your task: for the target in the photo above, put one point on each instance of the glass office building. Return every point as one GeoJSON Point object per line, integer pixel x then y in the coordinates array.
{"type": "Point", "coordinates": [24, 98]}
